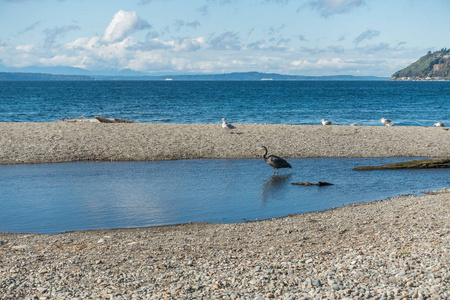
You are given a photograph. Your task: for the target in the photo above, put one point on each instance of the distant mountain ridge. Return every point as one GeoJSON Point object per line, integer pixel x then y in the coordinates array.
{"type": "Point", "coordinates": [432, 66]}
{"type": "Point", "coordinates": [6, 76]}
{"type": "Point", "coordinates": [252, 76]}
{"type": "Point", "coordinates": [238, 76]}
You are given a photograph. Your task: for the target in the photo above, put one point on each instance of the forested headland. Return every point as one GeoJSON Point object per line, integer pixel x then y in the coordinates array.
{"type": "Point", "coordinates": [432, 66]}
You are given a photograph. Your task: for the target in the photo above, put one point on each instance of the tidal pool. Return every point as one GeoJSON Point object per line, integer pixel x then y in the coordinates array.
{"type": "Point", "coordinates": [52, 198]}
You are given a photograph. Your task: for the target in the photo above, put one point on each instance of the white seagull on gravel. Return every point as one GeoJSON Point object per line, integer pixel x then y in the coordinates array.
{"type": "Point", "coordinates": [227, 126]}
{"type": "Point", "coordinates": [439, 124]}
{"type": "Point", "coordinates": [325, 122]}
{"type": "Point", "coordinates": [386, 122]}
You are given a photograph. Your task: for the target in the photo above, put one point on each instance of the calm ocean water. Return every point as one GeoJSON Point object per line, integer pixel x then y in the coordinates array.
{"type": "Point", "coordinates": [283, 102]}
{"type": "Point", "coordinates": [50, 198]}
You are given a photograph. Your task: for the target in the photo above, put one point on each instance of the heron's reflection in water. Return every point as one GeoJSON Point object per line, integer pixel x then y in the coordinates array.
{"type": "Point", "coordinates": [274, 185]}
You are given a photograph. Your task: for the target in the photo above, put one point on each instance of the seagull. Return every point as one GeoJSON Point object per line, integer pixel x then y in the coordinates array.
{"type": "Point", "coordinates": [386, 122]}
{"type": "Point", "coordinates": [324, 122]}
{"type": "Point", "coordinates": [226, 125]}
{"type": "Point", "coordinates": [439, 124]}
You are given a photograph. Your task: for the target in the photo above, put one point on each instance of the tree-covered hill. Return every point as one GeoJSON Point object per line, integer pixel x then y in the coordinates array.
{"type": "Point", "coordinates": [432, 66]}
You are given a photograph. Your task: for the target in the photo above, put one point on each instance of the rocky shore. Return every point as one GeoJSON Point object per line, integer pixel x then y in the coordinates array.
{"type": "Point", "coordinates": [392, 249]}
{"type": "Point", "coordinates": [62, 142]}
{"type": "Point", "coordinates": [397, 248]}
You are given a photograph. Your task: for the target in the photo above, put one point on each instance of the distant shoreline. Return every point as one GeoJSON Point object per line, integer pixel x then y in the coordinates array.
{"type": "Point", "coordinates": [419, 79]}
{"type": "Point", "coordinates": [136, 76]}
{"type": "Point", "coordinates": [23, 143]}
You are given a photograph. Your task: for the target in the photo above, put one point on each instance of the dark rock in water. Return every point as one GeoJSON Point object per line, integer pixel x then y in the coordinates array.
{"type": "Point", "coordinates": [412, 164]}
{"type": "Point", "coordinates": [303, 183]}
{"type": "Point", "coordinates": [320, 183]}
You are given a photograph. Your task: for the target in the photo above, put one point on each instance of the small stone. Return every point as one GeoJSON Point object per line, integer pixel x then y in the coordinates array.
{"type": "Point", "coordinates": [20, 247]}
{"type": "Point", "coordinates": [317, 283]}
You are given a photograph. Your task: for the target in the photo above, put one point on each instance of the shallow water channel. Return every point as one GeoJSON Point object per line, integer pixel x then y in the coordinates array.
{"type": "Point", "coordinates": [52, 198]}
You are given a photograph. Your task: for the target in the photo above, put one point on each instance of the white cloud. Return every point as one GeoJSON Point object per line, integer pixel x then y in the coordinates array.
{"type": "Point", "coordinates": [149, 1]}
{"type": "Point", "coordinates": [30, 28]}
{"type": "Point", "coordinates": [189, 45]}
{"type": "Point", "coordinates": [118, 49]}
{"type": "Point", "coordinates": [280, 2]}
{"type": "Point", "coordinates": [20, 56]}
{"type": "Point", "coordinates": [333, 63]}
{"type": "Point", "coordinates": [122, 25]}
{"type": "Point", "coordinates": [26, 48]}
{"type": "Point", "coordinates": [58, 60]}
{"type": "Point", "coordinates": [52, 33]}
{"type": "Point", "coordinates": [331, 7]}
{"type": "Point", "coordinates": [366, 35]}
{"type": "Point", "coordinates": [226, 41]}
{"type": "Point", "coordinates": [145, 61]}
{"type": "Point", "coordinates": [301, 64]}
{"type": "Point", "coordinates": [83, 43]}
{"type": "Point", "coordinates": [336, 49]}
{"type": "Point", "coordinates": [378, 48]}
{"type": "Point", "coordinates": [179, 24]}
{"type": "Point", "coordinates": [329, 64]}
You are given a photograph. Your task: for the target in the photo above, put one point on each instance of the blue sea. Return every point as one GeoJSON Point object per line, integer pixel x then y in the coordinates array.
{"type": "Point", "coordinates": [51, 198]}
{"type": "Point", "coordinates": [279, 102]}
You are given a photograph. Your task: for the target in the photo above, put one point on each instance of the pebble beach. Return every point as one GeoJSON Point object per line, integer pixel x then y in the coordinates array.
{"type": "Point", "coordinates": [64, 141]}
{"type": "Point", "coordinates": [397, 248]}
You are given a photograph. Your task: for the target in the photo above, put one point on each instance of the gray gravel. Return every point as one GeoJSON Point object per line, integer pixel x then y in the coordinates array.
{"type": "Point", "coordinates": [392, 249]}
{"type": "Point", "coordinates": [62, 142]}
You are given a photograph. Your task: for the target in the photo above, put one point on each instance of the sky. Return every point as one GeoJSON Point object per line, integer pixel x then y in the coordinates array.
{"type": "Point", "coordinates": [292, 37]}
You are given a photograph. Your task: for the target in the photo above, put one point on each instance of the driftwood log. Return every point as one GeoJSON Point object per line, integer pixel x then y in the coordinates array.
{"type": "Point", "coordinates": [320, 183]}
{"type": "Point", "coordinates": [111, 120]}
{"type": "Point", "coordinates": [79, 120]}
{"type": "Point", "coordinates": [412, 164]}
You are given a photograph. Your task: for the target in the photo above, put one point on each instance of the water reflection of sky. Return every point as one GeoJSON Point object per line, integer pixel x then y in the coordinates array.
{"type": "Point", "coordinates": [51, 198]}
{"type": "Point", "coordinates": [273, 187]}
